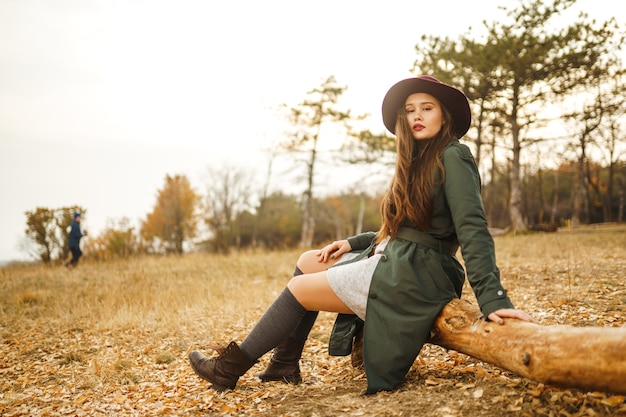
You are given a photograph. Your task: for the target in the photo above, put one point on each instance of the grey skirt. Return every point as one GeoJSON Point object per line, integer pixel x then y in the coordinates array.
{"type": "Point", "coordinates": [351, 281]}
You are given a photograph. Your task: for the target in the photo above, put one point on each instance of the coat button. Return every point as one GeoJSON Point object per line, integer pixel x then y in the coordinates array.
{"type": "Point", "coordinates": [500, 293]}
{"type": "Point", "coordinates": [373, 295]}
{"type": "Point", "coordinates": [383, 258]}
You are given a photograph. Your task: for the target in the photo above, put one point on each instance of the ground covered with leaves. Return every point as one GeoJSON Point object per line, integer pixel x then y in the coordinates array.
{"type": "Point", "coordinates": [112, 338]}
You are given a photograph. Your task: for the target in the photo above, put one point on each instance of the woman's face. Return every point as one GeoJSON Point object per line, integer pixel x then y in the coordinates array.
{"type": "Point", "coordinates": [424, 115]}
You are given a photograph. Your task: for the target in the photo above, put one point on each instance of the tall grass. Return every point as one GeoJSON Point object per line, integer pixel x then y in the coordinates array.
{"type": "Point", "coordinates": [163, 292]}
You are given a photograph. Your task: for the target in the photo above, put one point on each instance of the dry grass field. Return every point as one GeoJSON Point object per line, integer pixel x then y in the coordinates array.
{"type": "Point", "coordinates": [112, 338]}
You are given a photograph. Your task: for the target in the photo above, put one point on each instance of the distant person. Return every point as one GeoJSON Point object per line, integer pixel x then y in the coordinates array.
{"type": "Point", "coordinates": [398, 279]}
{"type": "Point", "coordinates": [74, 241]}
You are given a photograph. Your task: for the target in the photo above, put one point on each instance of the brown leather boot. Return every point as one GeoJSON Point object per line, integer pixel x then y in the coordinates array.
{"type": "Point", "coordinates": [224, 371]}
{"type": "Point", "coordinates": [284, 364]}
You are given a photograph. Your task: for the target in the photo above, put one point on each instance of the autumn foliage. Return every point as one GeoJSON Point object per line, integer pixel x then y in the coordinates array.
{"type": "Point", "coordinates": [174, 218]}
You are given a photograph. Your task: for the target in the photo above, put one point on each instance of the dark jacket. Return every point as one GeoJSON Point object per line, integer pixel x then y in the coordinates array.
{"type": "Point", "coordinates": [419, 274]}
{"type": "Point", "coordinates": [75, 235]}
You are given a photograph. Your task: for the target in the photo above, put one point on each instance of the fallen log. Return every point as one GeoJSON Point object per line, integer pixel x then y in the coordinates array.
{"type": "Point", "coordinates": [585, 358]}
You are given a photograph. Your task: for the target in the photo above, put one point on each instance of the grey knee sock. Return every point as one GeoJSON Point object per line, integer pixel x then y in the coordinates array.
{"type": "Point", "coordinates": [306, 324]}
{"type": "Point", "coordinates": [280, 319]}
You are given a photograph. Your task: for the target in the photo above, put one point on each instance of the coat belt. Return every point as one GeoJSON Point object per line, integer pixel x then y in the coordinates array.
{"type": "Point", "coordinates": [424, 239]}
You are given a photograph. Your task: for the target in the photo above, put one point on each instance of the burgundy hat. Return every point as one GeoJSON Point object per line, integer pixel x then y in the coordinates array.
{"type": "Point", "coordinates": [454, 100]}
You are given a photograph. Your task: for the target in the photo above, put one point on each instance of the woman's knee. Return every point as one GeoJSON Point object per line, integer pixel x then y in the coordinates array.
{"type": "Point", "coordinates": [298, 286]}
{"type": "Point", "coordinates": [308, 262]}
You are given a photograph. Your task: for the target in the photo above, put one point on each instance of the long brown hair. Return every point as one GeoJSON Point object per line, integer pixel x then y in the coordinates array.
{"type": "Point", "coordinates": [409, 197]}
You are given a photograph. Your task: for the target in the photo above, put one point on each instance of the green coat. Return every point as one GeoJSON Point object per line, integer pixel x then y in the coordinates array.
{"type": "Point", "coordinates": [418, 274]}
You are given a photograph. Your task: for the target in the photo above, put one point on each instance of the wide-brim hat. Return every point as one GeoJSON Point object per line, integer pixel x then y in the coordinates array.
{"type": "Point", "coordinates": [453, 98]}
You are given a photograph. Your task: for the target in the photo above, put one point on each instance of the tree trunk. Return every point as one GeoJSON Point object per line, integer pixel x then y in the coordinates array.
{"type": "Point", "coordinates": [518, 223]}
{"type": "Point", "coordinates": [359, 222]}
{"type": "Point", "coordinates": [620, 209]}
{"type": "Point", "coordinates": [555, 198]}
{"type": "Point", "coordinates": [585, 358]}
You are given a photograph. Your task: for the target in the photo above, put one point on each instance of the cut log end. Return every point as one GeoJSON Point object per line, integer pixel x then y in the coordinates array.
{"type": "Point", "coordinates": [456, 322]}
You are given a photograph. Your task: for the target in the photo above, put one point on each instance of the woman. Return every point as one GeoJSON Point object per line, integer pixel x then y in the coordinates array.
{"type": "Point", "coordinates": [398, 279]}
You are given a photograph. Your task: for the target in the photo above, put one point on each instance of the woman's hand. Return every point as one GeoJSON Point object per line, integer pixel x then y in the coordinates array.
{"type": "Point", "coordinates": [333, 251]}
{"type": "Point", "coordinates": [498, 315]}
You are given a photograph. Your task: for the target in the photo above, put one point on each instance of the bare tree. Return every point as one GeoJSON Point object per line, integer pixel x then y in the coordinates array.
{"type": "Point", "coordinates": [228, 194]}
{"type": "Point", "coordinates": [309, 119]}
{"type": "Point", "coordinates": [611, 141]}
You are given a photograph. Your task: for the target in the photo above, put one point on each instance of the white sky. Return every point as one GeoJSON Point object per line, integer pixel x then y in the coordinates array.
{"type": "Point", "coordinates": [100, 100]}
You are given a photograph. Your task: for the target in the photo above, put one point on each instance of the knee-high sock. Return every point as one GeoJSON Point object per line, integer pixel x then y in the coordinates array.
{"type": "Point", "coordinates": [306, 324]}
{"type": "Point", "coordinates": [280, 319]}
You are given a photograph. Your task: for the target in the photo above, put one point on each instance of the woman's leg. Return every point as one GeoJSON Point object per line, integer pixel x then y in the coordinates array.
{"type": "Point", "coordinates": [309, 262]}
{"type": "Point", "coordinates": [304, 293]}
{"type": "Point", "coordinates": [286, 324]}
{"type": "Point", "coordinates": [312, 292]}
{"type": "Point", "coordinates": [278, 321]}
{"type": "Point", "coordinates": [284, 364]}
